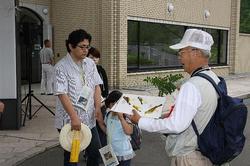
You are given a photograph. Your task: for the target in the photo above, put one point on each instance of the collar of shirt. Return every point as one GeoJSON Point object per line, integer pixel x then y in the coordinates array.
{"type": "Point", "coordinates": [83, 62]}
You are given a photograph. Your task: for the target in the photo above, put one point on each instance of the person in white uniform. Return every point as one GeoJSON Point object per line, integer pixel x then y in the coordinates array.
{"type": "Point", "coordinates": [197, 99]}
{"type": "Point", "coordinates": [46, 57]}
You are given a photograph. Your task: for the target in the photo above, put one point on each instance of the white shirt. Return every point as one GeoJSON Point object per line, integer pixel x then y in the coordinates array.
{"type": "Point", "coordinates": [69, 80]}
{"type": "Point", "coordinates": [182, 115]}
{"type": "Point", "coordinates": [46, 55]}
{"type": "Point", "coordinates": [197, 100]}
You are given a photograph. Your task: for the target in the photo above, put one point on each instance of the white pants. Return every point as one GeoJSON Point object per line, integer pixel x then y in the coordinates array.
{"type": "Point", "coordinates": [47, 79]}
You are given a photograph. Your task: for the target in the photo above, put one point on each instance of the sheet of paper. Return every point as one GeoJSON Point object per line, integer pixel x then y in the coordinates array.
{"type": "Point", "coordinates": [122, 106]}
{"type": "Point", "coordinates": [108, 156]}
{"type": "Point", "coordinates": [147, 106]}
{"type": "Point", "coordinates": [170, 100]}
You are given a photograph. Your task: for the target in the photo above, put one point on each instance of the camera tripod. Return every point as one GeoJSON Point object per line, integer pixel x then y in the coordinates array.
{"type": "Point", "coordinates": [31, 95]}
{"type": "Point", "coordinates": [29, 104]}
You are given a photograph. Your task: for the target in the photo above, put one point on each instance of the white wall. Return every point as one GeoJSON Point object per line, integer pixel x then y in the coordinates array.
{"type": "Point", "coordinates": [242, 59]}
{"type": "Point", "coordinates": [7, 50]}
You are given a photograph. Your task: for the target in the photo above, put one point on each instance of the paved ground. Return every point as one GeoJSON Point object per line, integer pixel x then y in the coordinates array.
{"type": "Point", "coordinates": [39, 135]}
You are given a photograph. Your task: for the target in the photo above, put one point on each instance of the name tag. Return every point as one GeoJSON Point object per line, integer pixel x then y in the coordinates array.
{"type": "Point", "coordinates": [84, 98]}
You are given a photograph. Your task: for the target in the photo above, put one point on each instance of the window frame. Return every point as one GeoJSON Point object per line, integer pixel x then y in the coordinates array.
{"type": "Point", "coordinates": [244, 9]}
{"type": "Point", "coordinates": [220, 33]}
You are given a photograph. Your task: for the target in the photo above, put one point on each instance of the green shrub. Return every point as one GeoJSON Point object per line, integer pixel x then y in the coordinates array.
{"type": "Point", "coordinates": [166, 85]}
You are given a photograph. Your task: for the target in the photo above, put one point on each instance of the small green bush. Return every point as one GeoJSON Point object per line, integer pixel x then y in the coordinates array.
{"type": "Point", "coordinates": [166, 85]}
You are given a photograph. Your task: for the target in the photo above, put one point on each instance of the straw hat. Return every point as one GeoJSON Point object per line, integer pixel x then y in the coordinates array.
{"type": "Point", "coordinates": [66, 135]}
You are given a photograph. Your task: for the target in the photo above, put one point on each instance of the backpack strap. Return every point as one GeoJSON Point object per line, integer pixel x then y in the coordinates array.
{"type": "Point", "coordinates": [195, 128]}
{"type": "Point", "coordinates": [221, 90]}
{"type": "Point", "coordinates": [107, 114]}
{"type": "Point", "coordinates": [209, 79]}
{"type": "Point", "coordinates": [205, 76]}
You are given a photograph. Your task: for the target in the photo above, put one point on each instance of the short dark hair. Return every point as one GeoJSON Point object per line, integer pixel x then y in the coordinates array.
{"type": "Point", "coordinates": [95, 52]}
{"type": "Point", "coordinates": [76, 37]}
{"type": "Point", "coordinates": [113, 97]}
{"type": "Point", "coordinates": [45, 41]}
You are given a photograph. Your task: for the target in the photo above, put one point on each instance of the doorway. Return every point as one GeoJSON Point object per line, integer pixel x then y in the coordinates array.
{"type": "Point", "coordinates": [30, 29]}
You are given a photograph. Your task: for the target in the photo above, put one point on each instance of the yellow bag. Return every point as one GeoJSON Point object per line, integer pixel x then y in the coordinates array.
{"type": "Point", "coordinates": [75, 148]}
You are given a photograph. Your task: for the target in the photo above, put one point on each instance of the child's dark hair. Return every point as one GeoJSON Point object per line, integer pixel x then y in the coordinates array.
{"type": "Point", "coordinates": [94, 52]}
{"type": "Point", "coordinates": [113, 97]}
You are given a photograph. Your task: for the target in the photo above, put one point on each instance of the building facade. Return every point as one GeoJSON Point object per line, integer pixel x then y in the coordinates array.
{"type": "Point", "coordinates": [132, 35]}
{"type": "Point", "coordinates": [121, 28]}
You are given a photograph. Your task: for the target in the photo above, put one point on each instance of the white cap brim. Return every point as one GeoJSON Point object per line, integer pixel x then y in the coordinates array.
{"type": "Point", "coordinates": [66, 137]}
{"type": "Point", "coordinates": [189, 44]}
{"type": "Point", "coordinates": [178, 46]}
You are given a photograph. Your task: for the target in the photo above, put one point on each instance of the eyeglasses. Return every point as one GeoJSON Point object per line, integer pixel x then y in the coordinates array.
{"type": "Point", "coordinates": [84, 47]}
{"type": "Point", "coordinates": [180, 53]}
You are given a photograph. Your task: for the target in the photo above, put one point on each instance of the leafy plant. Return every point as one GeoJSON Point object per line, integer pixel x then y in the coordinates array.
{"type": "Point", "coordinates": [166, 85]}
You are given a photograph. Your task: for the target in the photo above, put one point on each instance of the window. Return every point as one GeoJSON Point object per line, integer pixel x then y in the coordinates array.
{"type": "Point", "coordinates": [245, 16]}
{"type": "Point", "coordinates": [219, 48]}
{"type": "Point", "coordinates": [148, 46]}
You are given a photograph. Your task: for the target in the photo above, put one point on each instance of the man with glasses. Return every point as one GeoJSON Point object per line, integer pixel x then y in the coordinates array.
{"type": "Point", "coordinates": [197, 99]}
{"type": "Point", "coordinates": [77, 80]}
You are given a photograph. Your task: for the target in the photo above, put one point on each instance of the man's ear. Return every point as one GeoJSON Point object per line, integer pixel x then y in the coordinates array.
{"type": "Point", "coordinates": [70, 46]}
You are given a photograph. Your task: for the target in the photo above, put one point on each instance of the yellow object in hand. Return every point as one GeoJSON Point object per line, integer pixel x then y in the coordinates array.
{"type": "Point", "coordinates": [75, 148]}
{"type": "Point", "coordinates": [151, 110]}
{"type": "Point", "coordinates": [137, 108]}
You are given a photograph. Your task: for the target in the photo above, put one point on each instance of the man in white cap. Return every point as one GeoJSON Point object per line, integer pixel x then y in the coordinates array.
{"type": "Point", "coordinates": [197, 100]}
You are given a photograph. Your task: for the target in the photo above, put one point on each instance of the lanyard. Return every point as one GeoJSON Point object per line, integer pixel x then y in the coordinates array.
{"type": "Point", "coordinates": [82, 74]}
{"type": "Point", "coordinates": [200, 69]}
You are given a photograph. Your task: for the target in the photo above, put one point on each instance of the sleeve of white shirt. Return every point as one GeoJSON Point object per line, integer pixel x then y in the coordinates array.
{"type": "Point", "coordinates": [60, 81]}
{"type": "Point", "coordinates": [97, 78]}
{"type": "Point", "coordinates": [186, 106]}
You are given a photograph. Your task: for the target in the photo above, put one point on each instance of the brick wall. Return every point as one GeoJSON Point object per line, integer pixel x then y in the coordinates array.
{"type": "Point", "coordinates": [136, 79]}
{"type": "Point", "coordinates": [185, 12]}
{"type": "Point", "coordinates": [243, 54]}
{"type": "Point", "coordinates": [106, 20]}
{"type": "Point", "coordinates": [234, 34]}
{"type": "Point", "coordinates": [71, 15]}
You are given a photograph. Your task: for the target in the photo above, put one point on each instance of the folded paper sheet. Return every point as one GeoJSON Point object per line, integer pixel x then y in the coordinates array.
{"type": "Point", "coordinates": [146, 106]}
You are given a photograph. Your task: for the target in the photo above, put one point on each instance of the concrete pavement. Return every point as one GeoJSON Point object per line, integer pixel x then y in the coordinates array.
{"type": "Point", "coordinates": [39, 135]}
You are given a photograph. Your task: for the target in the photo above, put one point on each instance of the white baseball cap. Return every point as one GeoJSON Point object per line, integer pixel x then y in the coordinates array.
{"type": "Point", "coordinates": [195, 38]}
{"type": "Point", "coordinates": [66, 137]}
